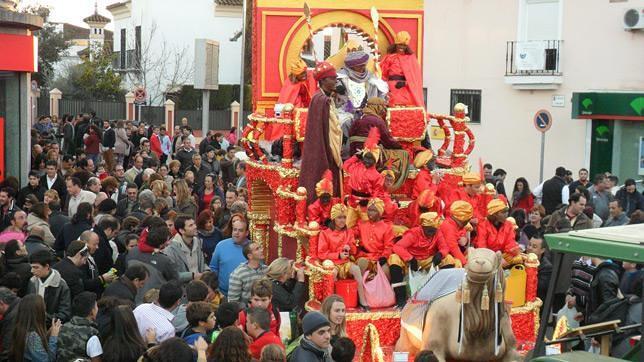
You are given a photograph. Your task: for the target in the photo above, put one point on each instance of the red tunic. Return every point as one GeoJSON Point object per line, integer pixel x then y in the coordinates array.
{"type": "Point", "coordinates": [525, 203]}
{"type": "Point", "coordinates": [320, 213]}
{"type": "Point", "coordinates": [447, 239]}
{"type": "Point", "coordinates": [376, 238]}
{"type": "Point", "coordinates": [299, 94]}
{"type": "Point", "coordinates": [276, 320]}
{"type": "Point", "coordinates": [423, 181]}
{"type": "Point", "coordinates": [362, 179]}
{"type": "Point", "coordinates": [405, 65]}
{"type": "Point", "coordinates": [502, 239]}
{"type": "Point", "coordinates": [263, 340]}
{"type": "Point", "coordinates": [332, 242]}
{"type": "Point", "coordinates": [414, 244]}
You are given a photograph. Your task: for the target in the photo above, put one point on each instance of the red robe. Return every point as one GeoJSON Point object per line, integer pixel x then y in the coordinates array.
{"type": "Point", "coordinates": [362, 179]}
{"type": "Point", "coordinates": [415, 245]}
{"type": "Point", "coordinates": [502, 239]}
{"type": "Point", "coordinates": [447, 239]}
{"type": "Point", "coordinates": [299, 95]}
{"type": "Point", "coordinates": [317, 156]}
{"type": "Point", "coordinates": [332, 242]}
{"type": "Point", "coordinates": [405, 65]}
{"type": "Point", "coordinates": [376, 239]}
{"type": "Point", "coordinates": [320, 213]}
{"type": "Point", "coordinates": [422, 182]}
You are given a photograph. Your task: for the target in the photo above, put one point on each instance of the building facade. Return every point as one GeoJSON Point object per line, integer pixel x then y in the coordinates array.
{"type": "Point", "coordinates": [154, 41]}
{"type": "Point", "coordinates": [16, 95]}
{"type": "Point", "coordinates": [508, 59]}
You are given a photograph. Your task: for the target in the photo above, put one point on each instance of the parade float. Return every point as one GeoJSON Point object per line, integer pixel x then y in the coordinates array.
{"type": "Point", "coordinates": [278, 208]}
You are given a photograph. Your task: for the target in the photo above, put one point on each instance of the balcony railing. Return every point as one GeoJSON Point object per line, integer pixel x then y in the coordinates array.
{"type": "Point", "coordinates": [533, 58]}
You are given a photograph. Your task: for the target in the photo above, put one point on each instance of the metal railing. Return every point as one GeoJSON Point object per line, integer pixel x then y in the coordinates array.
{"type": "Point", "coordinates": [532, 58]}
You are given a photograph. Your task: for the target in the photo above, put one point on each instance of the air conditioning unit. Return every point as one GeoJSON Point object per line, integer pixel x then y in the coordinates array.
{"type": "Point", "coordinates": [206, 64]}
{"type": "Point", "coordinates": [634, 19]}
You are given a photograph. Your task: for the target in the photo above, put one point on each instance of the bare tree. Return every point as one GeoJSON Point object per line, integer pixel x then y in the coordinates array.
{"type": "Point", "coordinates": [160, 69]}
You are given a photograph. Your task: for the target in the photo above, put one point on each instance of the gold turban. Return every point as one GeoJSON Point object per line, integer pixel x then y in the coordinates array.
{"type": "Point", "coordinates": [495, 206]}
{"type": "Point", "coordinates": [402, 37]}
{"type": "Point", "coordinates": [422, 158]}
{"type": "Point", "coordinates": [297, 67]}
{"type": "Point", "coordinates": [375, 106]}
{"type": "Point", "coordinates": [471, 178]}
{"type": "Point", "coordinates": [430, 219]}
{"type": "Point", "coordinates": [426, 198]}
{"type": "Point", "coordinates": [461, 210]}
{"type": "Point", "coordinates": [489, 189]}
{"type": "Point", "coordinates": [338, 210]}
{"type": "Point", "coordinates": [325, 185]}
{"type": "Point", "coordinates": [378, 204]}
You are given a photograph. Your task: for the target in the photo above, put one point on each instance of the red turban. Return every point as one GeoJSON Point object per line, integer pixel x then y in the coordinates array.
{"type": "Point", "coordinates": [324, 70]}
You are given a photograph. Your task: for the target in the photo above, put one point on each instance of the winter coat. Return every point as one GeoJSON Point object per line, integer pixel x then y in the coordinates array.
{"type": "Point", "coordinates": [309, 352]}
{"type": "Point", "coordinates": [57, 297]}
{"type": "Point", "coordinates": [160, 267]}
{"type": "Point", "coordinates": [177, 252]}
{"type": "Point", "coordinates": [33, 221]}
{"type": "Point", "coordinates": [121, 143]}
{"type": "Point", "coordinates": [630, 201]}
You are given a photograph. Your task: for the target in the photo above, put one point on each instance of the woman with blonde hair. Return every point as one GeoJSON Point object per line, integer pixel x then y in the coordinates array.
{"type": "Point", "coordinates": [161, 191]}
{"type": "Point", "coordinates": [288, 285]}
{"type": "Point", "coordinates": [184, 202]}
{"type": "Point", "coordinates": [334, 310]}
{"type": "Point", "coordinates": [51, 195]}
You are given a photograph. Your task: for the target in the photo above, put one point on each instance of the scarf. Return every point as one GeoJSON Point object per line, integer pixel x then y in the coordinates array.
{"type": "Point", "coordinates": [50, 281]}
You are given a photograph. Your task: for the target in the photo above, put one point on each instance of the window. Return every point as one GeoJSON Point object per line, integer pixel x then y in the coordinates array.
{"type": "Point", "coordinates": [123, 48]}
{"type": "Point", "coordinates": [471, 98]}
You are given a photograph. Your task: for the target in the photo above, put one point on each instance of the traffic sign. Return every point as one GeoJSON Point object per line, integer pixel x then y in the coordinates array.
{"type": "Point", "coordinates": [140, 95]}
{"type": "Point", "coordinates": [542, 120]}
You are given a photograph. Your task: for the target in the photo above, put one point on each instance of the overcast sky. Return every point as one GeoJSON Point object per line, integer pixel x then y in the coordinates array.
{"type": "Point", "coordinates": [73, 11]}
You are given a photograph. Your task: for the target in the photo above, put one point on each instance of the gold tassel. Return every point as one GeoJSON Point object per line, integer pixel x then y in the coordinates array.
{"type": "Point", "coordinates": [459, 294]}
{"type": "Point", "coordinates": [466, 292]}
{"type": "Point", "coordinates": [485, 299]}
{"type": "Point", "coordinates": [498, 293]}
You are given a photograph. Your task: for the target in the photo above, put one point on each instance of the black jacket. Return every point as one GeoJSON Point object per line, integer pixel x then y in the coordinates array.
{"type": "Point", "coordinates": [308, 352]}
{"type": "Point", "coordinates": [69, 233]}
{"type": "Point", "coordinates": [160, 267]}
{"type": "Point", "coordinates": [605, 284]}
{"type": "Point", "coordinates": [38, 191]}
{"type": "Point", "coordinates": [288, 296]}
{"type": "Point", "coordinates": [58, 185]}
{"type": "Point", "coordinates": [5, 217]}
{"type": "Point", "coordinates": [6, 329]}
{"type": "Point", "coordinates": [121, 288]}
{"type": "Point", "coordinates": [630, 201]}
{"type": "Point", "coordinates": [35, 243]}
{"type": "Point", "coordinates": [545, 273]}
{"type": "Point", "coordinates": [103, 256]}
{"type": "Point", "coordinates": [109, 138]}
{"type": "Point", "coordinates": [72, 274]}
{"type": "Point", "coordinates": [57, 220]}
{"type": "Point", "coordinates": [551, 198]}
{"type": "Point", "coordinates": [20, 265]}
{"type": "Point", "coordinates": [124, 207]}
{"type": "Point", "coordinates": [58, 300]}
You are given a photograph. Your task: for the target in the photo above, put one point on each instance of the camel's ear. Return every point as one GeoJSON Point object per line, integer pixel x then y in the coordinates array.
{"type": "Point", "coordinates": [499, 258]}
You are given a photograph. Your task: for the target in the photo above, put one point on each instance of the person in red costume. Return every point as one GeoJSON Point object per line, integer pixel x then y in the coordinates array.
{"type": "Point", "coordinates": [497, 233]}
{"type": "Point", "coordinates": [320, 210]}
{"type": "Point", "coordinates": [416, 249]}
{"type": "Point", "coordinates": [323, 140]}
{"type": "Point", "coordinates": [426, 202]}
{"type": "Point", "coordinates": [299, 87]}
{"type": "Point", "coordinates": [424, 179]}
{"type": "Point", "coordinates": [401, 71]}
{"type": "Point", "coordinates": [364, 180]}
{"type": "Point", "coordinates": [337, 244]}
{"type": "Point", "coordinates": [469, 192]}
{"type": "Point", "coordinates": [452, 234]}
{"type": "Point", "coordinates": [375, 238]}
{"type": "Point", "coordinates": [391, 206]}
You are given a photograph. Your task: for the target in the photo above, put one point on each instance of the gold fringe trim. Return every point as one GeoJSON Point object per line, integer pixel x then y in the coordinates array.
{"type": "Point", "coordinates": [371, 332]}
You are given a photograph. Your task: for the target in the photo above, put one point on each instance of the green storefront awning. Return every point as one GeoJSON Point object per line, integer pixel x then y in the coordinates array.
{"type": "Point", "coordinates": [609, 106]}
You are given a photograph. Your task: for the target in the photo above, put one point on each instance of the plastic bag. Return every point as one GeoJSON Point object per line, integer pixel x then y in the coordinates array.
{"type": "Point", "coordinates": [417, 279]}
{"type": "Point", "coordinates": [378, 291]}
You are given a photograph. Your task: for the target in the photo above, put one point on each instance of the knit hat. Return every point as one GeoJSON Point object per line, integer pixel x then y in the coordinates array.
{"type": "Point", "coordinates": [313, 321]}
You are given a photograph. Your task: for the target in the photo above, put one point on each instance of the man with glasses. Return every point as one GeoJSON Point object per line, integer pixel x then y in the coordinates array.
{"type": "Point", "coordinates": [127, 204]}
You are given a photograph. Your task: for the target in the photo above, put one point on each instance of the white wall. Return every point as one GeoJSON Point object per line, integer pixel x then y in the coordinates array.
{"type": "Point", "coordinates": [178, 25]}
{"type": "Point", "coordinates": [465, 48]}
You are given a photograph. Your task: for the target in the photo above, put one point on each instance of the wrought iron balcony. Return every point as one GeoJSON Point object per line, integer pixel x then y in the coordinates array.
{"type": "Point", "coordinates": [532, 58]}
